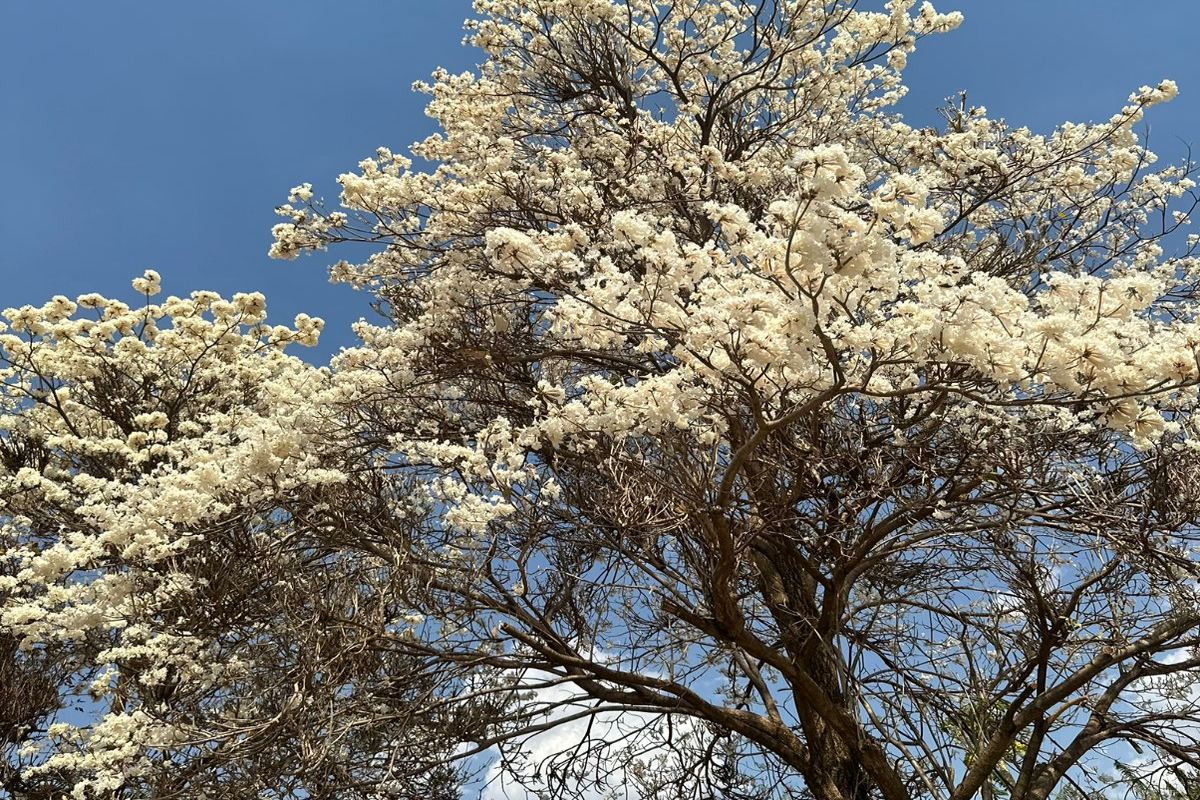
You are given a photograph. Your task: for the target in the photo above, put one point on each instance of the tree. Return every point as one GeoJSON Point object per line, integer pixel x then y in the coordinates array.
{"type": "Point", "coordinates": [723, 436]}
{"type": "Point", "coordinates": [170, 628]}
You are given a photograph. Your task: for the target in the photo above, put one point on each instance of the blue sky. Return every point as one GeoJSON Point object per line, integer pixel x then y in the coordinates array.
{"type": "Point", "coordinates": [138, 134]}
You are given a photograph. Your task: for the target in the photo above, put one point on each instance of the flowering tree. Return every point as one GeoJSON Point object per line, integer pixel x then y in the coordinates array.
{"type": "Point", "coordinates": [166, 607]}
{"type": "Point", "coordinates": [725, 436]}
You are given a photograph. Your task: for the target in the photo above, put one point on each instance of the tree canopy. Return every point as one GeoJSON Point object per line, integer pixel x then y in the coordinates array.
{"type": "Point", "coordinates": [719, 435]}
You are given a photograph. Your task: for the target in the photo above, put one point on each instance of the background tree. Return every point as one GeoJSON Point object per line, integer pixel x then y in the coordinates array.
{"type": "Point", "coordinates": [724, 436]}
{"type": "Point", "coordinates": [172, 627]}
